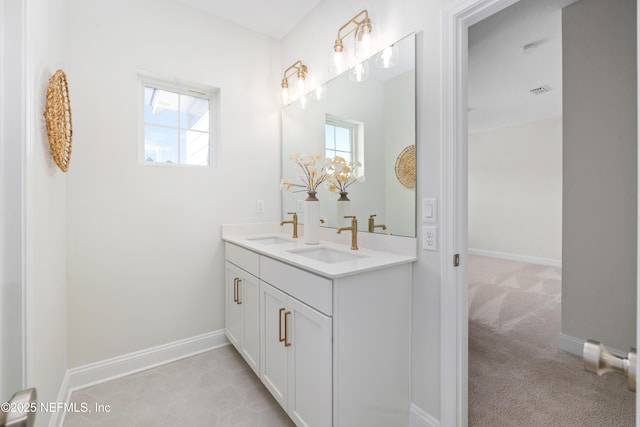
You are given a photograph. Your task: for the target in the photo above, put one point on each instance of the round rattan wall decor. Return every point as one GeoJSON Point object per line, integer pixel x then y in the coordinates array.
{"type": "Point", "coordinates": [406, 166]}
{"type": "Point", "coordinates": [57, 114]}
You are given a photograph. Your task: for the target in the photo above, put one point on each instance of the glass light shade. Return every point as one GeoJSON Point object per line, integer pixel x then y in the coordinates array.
{"type": "Point", "coordinates": [319, 93]}
{"type": "Point", "coordinates": [285, 95]}
{"type": "Point", "coordinates": [301, 87]}
{"type": "Point", "coordinates": [303, 102]}
{"type": "Point", "coordinates": [364, 46]}
{"type": "Point", "coordinates": [360, 72]}
{"type": "Point", "coordinates": [337, 62]}
{"type": "Point", "coordinates": [388, 57]}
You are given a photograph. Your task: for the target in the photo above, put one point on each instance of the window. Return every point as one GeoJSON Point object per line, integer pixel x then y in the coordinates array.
{"type": "Point", "coordinates": [345, 138]}
{"type": "Point", "coordinates": [339, 139]}
{"type": "Point", "coordinates": [177, 123]}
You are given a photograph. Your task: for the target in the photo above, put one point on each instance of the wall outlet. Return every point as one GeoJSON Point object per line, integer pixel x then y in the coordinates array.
{"type": "Point", "coordinates": [429, 238]}
{"type": "Point", "coordinates": [260, 206]}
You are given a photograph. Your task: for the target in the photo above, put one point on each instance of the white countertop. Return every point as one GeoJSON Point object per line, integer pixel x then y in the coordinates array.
{"type": "Point", "coordinates": [285, 250]}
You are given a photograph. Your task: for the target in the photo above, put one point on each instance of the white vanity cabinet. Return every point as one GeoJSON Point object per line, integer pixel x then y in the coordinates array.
{"type": "Point", "coordinates": [242, 304]}
{"type": "Point", "coordinates": [296, 357]}
{"type": "Point", "coordinates": [296, 342]}
{"type": "Point", "coordinates": [334, 351]}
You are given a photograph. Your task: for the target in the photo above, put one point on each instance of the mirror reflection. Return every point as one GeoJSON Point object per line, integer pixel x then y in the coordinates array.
{"type": "Point", "coordinates": [368, 128]}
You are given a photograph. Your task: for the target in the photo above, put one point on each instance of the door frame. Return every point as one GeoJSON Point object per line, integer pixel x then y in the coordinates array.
{"type": "Point", "coordinates": [456, 19]}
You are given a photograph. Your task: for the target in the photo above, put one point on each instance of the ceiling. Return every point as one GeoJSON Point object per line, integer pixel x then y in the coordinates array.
{"type": "Point", "coordinates": [274, 18]}
{"type": "Point", "coordinates": [501, 75]}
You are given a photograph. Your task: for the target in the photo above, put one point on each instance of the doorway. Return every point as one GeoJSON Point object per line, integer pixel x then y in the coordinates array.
{"type": "Point", "coordinates": [454, 316]}
{"type": "Point", "coordinates": [515, 248]}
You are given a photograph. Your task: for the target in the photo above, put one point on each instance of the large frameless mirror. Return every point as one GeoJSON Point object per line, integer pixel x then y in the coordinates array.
{"type": "Point", "coordinates": [371, 125]}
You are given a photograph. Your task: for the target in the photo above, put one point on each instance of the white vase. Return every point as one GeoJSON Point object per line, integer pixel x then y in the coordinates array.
{"type": "Point", "coordinates": [343, 208]}
{"type": "Point", "coordinates": [312, 220]}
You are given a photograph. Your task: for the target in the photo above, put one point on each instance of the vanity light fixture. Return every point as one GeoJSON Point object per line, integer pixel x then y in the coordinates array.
{"type": "Point", "coordinates": [300, 70]}
{"type": "Point", "coordinates": [362, 28]}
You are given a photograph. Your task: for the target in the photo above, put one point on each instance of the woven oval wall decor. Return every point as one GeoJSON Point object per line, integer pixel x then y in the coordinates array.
{"type": "Point", "coordinates": [406, 166]}
{"type": "Point", "coordinates": [57, 114]}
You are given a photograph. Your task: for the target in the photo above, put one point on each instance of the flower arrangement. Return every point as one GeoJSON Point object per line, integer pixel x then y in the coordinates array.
{"type": "Point", "coordinates": [342, 174]}
{"type": "Point", "coordinates": [315, 172]}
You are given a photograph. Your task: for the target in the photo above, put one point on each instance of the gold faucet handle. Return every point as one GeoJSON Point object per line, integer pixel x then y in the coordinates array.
{"type": "Point", "coordinates": [372, 216]}
{"type": "Point", "coordinates": [350, 216]}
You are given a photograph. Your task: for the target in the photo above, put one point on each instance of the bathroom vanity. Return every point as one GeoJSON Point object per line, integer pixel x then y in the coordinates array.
{"type": "Point", "coordinates": [327, 329]}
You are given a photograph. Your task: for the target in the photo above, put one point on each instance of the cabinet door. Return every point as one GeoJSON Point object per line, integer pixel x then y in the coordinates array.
{"type": "Point", "coordinates": [233, 310]}
{"type": "Point", "coordinates": [249, 296]}
{"type": "Point", "coordinates": [310, 365]}
{"type": "Point", "coordinates": [273, 355]}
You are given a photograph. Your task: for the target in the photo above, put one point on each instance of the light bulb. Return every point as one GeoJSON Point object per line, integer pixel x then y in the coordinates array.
{"type": "Point", "coordinates": [285, 95]}
{"type": "Point", "coordinates": [301, 87]}
{"type": "Point", "coordinates": [364, 43]}
{"type": "Point", "coordinates": [319, 93]}
{"type": "Point", "coordinates": [337, 62]}
{"type": "Point", "coordinates": [388, 57]}
{"type": "Point", "coordinates": [360, 72]}
{"type": "Point", "coordinates": [303, 101]}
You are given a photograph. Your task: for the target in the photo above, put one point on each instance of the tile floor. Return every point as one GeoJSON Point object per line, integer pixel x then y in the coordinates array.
{"type": "Point", "coordinates": [216, 388]}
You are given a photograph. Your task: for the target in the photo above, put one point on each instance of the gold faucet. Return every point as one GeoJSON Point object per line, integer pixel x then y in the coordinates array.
{"type": "Point", "coordinates": [294, 221]}
{"type": "Point", "coordinates": [354, 231]}
{"type": "Point", "coordinates": [373, 226]}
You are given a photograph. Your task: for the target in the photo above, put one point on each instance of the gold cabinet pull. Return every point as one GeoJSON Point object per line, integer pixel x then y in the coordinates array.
{"type": "Point", "coordinates": [238, 301]}
{"type": "Point", "coordinates": [280, 338]}
{"type": "Point", "coordinates": [286, 344]}
{"type": "Point", "coordinates": [235, 289]}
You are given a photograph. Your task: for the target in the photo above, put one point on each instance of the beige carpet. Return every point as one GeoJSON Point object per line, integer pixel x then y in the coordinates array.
{"type": "Point", "coordinates": [517, 376]}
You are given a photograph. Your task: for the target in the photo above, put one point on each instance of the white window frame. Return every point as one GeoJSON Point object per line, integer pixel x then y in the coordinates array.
{"type": "Point", "coordinates": [210, 93]}
{"type": "Point", "coordinates": [357, 138]}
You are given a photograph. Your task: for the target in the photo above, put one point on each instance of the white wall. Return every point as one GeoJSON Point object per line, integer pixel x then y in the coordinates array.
{"type": "Point", "coordinates": [46, 209]}
{"type": "Point", "coordinates": [311, 41]}
{"type": "Point", "coordinates": [515, 190]}
{"type": "Point", "coordinates": [145, 255]}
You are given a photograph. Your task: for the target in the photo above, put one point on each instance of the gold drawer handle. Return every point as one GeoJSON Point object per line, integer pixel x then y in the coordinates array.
{"type": "Point", "coordinates": [238, 301]}
{"type": "Point", "coordinates": [280, 338]}
{"type": "Point", "coordinates": [235, 289]}
{"type": "Point", "coordinates": [286, 344]}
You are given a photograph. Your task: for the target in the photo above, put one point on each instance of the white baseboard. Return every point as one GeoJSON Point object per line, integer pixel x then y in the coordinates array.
{"type": "Point", "coordinates": [573, 345]}
{"type": "Point", "coordinates": [99, 372]}
{"type": "Point", "coordinates": [516, 257]}
{"type": "Point", "coordinates": [421, 418]}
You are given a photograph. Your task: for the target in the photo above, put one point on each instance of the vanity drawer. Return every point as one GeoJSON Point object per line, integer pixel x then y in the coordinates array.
{"type": "Point", "coordinates": [243, 258]}
{"type": "Point", "coordinates": [306, 287]}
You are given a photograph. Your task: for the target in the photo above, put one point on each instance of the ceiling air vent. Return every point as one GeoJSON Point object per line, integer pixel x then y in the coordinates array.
{"type": "Point", "coordinates": [540, 90]}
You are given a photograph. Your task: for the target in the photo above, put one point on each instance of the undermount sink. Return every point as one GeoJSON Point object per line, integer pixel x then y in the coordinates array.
{"type": "Point", "coordinates": [326, 255]}
{"type": "Point", "coordinates": [270, 240]}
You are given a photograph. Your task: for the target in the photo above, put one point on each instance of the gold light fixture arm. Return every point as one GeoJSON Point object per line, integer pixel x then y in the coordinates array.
{"type": "Point", "coordinates": [355, 21]}
{"type": "Point", "coordinates": [298, 68]}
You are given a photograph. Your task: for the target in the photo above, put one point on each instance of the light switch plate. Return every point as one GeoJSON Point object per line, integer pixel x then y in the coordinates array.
{"type": "Point", "coordinates": [430, 210]}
